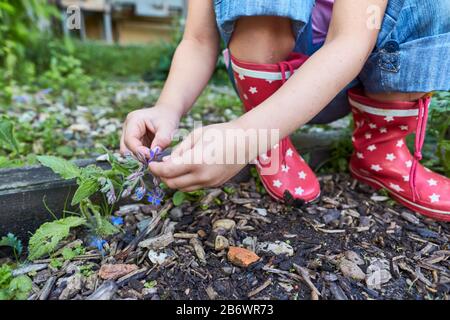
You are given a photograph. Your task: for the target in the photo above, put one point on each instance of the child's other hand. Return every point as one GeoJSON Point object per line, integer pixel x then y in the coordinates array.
{"type": "Point", "coordinates": [148, 128]}
{"type": "Point", "coordinates": [199, 161]}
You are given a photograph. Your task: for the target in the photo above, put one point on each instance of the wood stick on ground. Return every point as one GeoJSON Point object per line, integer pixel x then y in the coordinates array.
{"type": "Point", "coordinates": [254, 292]}
{"type": "Point", "coordinates": [305, 276]}
{"type": "Point", "coordinates": [125, 252]}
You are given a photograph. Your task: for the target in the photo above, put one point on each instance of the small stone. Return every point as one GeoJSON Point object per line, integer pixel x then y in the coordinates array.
{"type": "Point", "coordinates": [242, 257]}
{"type": "Point", "coordinates": [410, 217]}
{"type": "Point", "coordinates": [176, 214]}
{"type": "Point", "coordinates": [221, 243]}
{"type": "Point", "coordinates": [226, 224]}
{"type": "Point", "coordinates": [331, 215]}
{"type": "Point", "coordinates": [261, 211]}
{"type": "Point", "coordinates": [73, 286]}
{"type": "Point", "coordinates": [250, 243]}
{"type": "Point", "coordinates": [149, 291]}
{"type": "Point", "coordinates": [201, 233]}
{"type": "Point", "coordinates": [227, 270]}
{"type": "Point", "coordinates": [199, 251]}
{"type": "Point", "coordinates": [351, 270]}
{"type": "Point", "coordinates": [276, 248]}
{"type": "Point", "coordinates": [364, 221]}
{"type": "Point", "coordinates": [377, 198]}
{"type": "Point", "coordinates": [115, 271]}
{"type": "Point", "coordinates": [105, 292]}
{"type": "Point", "coordinates": [378, 273]}
{"type": "Point", "coordinates": [354, 257]}
{"type": "Point", "coordinates": [157, 257]}
{"type": "Point", "coordinates": [89, 282]}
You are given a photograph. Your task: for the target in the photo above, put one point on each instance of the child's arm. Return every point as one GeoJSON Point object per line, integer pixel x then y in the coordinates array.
{"type": "Point", "coordinates": [192, 66]}
{"type": "Point", "coordinates": [349, 43]}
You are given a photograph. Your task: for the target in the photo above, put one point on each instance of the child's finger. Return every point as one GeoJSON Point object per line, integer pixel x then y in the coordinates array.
{"type": "Point", "coordinates": [123, 148]}
{"type": "Point", "coordinates": [133, 141]}
{"type": "Point", "coordinates": [185, 182]}
{"type": "Point", "coordinates": [168, 169]}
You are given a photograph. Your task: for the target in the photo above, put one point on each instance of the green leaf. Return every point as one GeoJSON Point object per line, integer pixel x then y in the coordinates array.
{"type": "Point", "coordinates": [64, 168]}
{"type": "Point", "coordinates": [105, 228]}
{"type": "Point", "coordinates": [86, 189]}
{"type": "Point", "coordinates": [178, 198]}
{"type": "Point", "coordinates": [20, 287]}
{"type": "Point", "coordinates": [5, 275]}
{"type": "Point", "coordinates": [47, 237]}
{"type": "Point", "coordinates": [7, 136]}
{"type": "Point", "coordinates": [11, 241]}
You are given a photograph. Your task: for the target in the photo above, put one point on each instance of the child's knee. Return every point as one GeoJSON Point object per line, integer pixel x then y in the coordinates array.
{"type": "Point", "coordinates": [262, 39]}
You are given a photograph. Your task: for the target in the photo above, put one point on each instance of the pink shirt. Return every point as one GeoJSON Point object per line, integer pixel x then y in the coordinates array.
{"type": "Point", "coordinates": [321, 17]}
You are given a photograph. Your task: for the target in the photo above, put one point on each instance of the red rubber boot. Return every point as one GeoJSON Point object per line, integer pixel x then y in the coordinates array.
{"type": "Point", "coordinates": [382, 159]}
{"type": "Point", "coordinates": [290, 176]}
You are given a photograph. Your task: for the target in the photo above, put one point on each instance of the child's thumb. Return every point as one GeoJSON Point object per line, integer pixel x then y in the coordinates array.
{"type": "Point", "coordinates": [163, 137]}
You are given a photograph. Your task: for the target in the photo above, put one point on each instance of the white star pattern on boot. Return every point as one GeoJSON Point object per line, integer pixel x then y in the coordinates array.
{"type": "Point", "coordinates": [383, 130]}
{"type": "Point", "coordinates": [269, 81]}
{"type": "Point", "coordinates": [277, 183]}
{"type": "Point", "coordinates": [360, 155]}
{"type": "Point", "coordinates": [396, 187]}
{"type": "Point", "coordinates": [241, 76]}
{"type": "Point", "coordinates": [432, 182]}
{"type": "Point", "coordinates": [253, 90]}
{"type": "Point", "coordinates": [434, 198]}
{"type": "Point", "coordinates": [389, 118]}
{"type": "Point", "coordinates": [390, 157]}
{"type": "Point", "coordinates": [368, 136]}
{"type": "Point", "coordinates": [406, 178]}
{"type": "Point", "coordinates": [299, 191]}
{"type": "Point", "coordinates": [408, 163]}
{"type": "Point", "coordinates": [376, 167]}
{"type": "Point", "coordinates": [285, 168]}
{"type": "Point", "coordinates": [372, 125]}
{"type": "Point", "coordinates": [400, 143]}
{"type": "Point", "coordinates": [372, 147]}
{"type": "Point", "coordinates": [302, 175]}
{"type": "Point", "coordinates": [404, 128]}
{"type": "Point", "coordinates": [289, 152]}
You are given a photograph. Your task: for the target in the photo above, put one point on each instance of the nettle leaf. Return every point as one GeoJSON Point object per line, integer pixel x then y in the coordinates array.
{"type": "Point", "coordinates": [64, 168]}
{"type": "Point", "coordinates": [47, 237]}
{"type": "Point", "coordinates": [11, 241]}
{"type": "Point", "coordinates": [7, 136]}
{"type": "Point", "coordinates": [86, 189]}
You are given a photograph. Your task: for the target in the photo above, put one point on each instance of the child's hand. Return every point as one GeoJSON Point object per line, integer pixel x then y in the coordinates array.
{"type": "Point", "coordinates": [193, 163]}
{"type": "Point", "coordinates": [146, 128]}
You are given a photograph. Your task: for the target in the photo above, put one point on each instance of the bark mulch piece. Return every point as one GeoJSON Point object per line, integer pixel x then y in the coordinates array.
{"type": "Point", "coordinates": [351, 244]}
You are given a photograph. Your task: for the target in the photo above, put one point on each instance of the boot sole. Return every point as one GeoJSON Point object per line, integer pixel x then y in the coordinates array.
{"type": "Point", "coordinates": [431, 213]}
{"type": "Point", "coordinates": [283, 200]}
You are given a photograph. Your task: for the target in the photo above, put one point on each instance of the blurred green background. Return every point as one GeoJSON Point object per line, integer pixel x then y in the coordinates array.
{"type": "Point", "coordinates": [67, 93]}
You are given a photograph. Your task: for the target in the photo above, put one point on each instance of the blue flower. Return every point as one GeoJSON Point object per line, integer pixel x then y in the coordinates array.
{"type": "Point", "coordinates": [139, 193]}
{"type": "Point", "coordinates": [98, 243]}
{"type": "Point", "coordinates": [117, 221]}
{"type": "Point", "coordinates": [154, 199]}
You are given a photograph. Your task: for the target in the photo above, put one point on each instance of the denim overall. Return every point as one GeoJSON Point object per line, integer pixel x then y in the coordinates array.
{"type": "Point", "coordinates": [412, 53]}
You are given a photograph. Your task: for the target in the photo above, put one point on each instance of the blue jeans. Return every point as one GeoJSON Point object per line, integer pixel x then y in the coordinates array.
{"type": "Point", "coordinates": [412, 53]}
